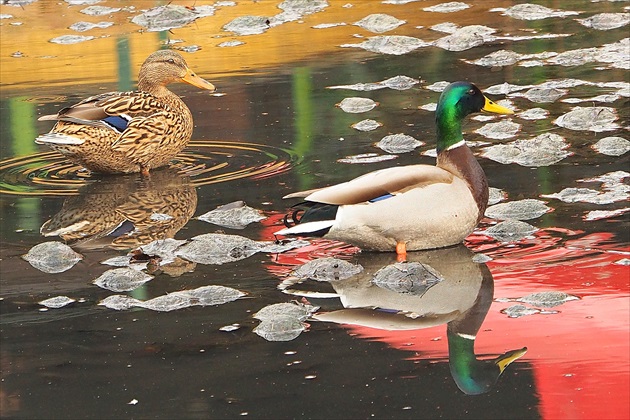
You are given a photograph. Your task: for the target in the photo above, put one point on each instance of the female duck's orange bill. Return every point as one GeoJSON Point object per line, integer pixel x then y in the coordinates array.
{"type": "Point", "coordinates": [193, 79]}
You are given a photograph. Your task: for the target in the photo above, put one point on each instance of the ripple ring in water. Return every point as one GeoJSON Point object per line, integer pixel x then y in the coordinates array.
{"type": "Point", "coordinates": [46, 99]}
{"type": "Point", "coordinates": [206, 162]}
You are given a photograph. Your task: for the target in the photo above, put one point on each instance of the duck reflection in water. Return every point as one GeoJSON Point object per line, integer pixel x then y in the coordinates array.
{"type": "Point", "coordinates": [124, 212]}
{"type": "Point", "coordinates": [457, 292]}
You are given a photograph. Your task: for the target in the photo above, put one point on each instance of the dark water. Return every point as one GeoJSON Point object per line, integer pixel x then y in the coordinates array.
{"type": "Point", "coordinates": [277, 130]}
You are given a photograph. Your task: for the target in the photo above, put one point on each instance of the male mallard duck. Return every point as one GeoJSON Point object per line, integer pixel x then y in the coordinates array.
{"type": "Point", "coordinates": [124, 132]}
{"type": "Point", "coordinates": [409, 207]}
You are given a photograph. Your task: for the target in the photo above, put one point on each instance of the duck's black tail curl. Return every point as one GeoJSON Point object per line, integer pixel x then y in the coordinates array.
{"type": "Point", "coordinates": [309, 211]}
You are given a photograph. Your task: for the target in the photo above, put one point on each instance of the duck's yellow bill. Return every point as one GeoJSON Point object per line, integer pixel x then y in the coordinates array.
{"type": "Point", "coordinates": [503, 361]}
{"type": "Point", "coordinates": [495, 108]}
{"type": "Point", "coordinates": [197, 81]}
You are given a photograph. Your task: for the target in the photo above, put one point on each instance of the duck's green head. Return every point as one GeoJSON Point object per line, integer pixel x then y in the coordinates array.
{"type": "Point", "coordinates": [457, 101]}
{"type": "Point", "coordinates": [473, 376]}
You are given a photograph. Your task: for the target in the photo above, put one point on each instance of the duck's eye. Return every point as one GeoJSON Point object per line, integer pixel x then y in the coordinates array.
{"type": "Point", "coordinates": [471, 91]}
{"type": "Point", "coordinates": [170, 61]}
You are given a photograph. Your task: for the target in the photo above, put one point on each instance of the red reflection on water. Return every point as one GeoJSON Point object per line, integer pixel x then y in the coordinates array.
{"type": "Point", "coordinates": [319, 248]}
{"type": "Point", "coordinates": [580, 355]}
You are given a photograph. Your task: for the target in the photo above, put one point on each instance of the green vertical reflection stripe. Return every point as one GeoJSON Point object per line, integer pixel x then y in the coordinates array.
{"type": "Point", "coordinates": [124, 64]}
{"type": "Point", "coordinates": [23, 133]}
{"type": "Point", "coordinates": [546, 180]}
{"type": "Point", "coordinates": [303, 105]}
{"type": "Point", "coordinates": [28, 214]}
{"type": "Point", "coordinates": [22, 126]}
{"type": "Point", "coordinates": [162, 38]}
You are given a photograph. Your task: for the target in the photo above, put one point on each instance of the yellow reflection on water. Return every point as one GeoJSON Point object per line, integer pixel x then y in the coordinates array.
{"type": "Point", "coordinates": [117, 51]}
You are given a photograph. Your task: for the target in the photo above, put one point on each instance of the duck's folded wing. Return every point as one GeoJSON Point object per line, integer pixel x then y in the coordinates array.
{"type": "Point", "coordinates": [112, 110]}
{"type": "Point", "coordinates": [89, 111]}
{"type": "Point", "coordinates": [378, 184]}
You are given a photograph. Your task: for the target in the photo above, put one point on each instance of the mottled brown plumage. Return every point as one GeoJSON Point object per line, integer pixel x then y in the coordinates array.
{"type": "Point", "coordinates": [125, 212]}
{"type": "Point", "coordinates": [126, 132]}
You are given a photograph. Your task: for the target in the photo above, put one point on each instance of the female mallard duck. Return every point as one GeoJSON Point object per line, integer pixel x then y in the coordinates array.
{"type": "Point", "coordinates": [124, 132]}
{"type": "Point", "coordinates": [410, 207]}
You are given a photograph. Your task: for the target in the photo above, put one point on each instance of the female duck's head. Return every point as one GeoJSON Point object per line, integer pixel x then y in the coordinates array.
{"type": "Point", "coordinates": [458, 100]}
{"type": "Point", "coordinates": [164, 67]}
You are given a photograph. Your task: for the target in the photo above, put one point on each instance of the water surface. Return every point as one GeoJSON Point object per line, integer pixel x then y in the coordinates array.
{"type": "Point", "coordinates": [274, 128]}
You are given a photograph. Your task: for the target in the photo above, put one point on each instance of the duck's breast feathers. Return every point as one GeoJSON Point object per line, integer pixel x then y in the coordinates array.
{"type": "Point", "coordinates": [379, 184]}
{"type": "Point", "coordinates": [113, 110]}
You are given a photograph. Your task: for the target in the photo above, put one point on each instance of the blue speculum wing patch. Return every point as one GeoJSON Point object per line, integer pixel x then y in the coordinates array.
{"type": "Point", "coordinates": [122, 229]}
{"type": "Point", "coordinates": [382, 197]}
{"type": "Point", "coordinates": [117, 122]}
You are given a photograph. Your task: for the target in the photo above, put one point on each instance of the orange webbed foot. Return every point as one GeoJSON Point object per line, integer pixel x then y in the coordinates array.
{"type": "Point", "coordinates": [401, 252]}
